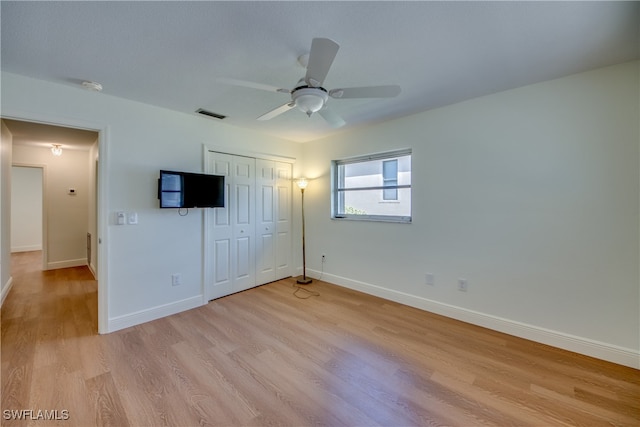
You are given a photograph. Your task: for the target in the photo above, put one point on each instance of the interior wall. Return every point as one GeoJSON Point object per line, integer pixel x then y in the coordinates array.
{"type": "Point", "coordinates": [6, 143]}
{"type": "Point", "coordinates": [139, 140]}
{"type": "Point", "coordinates": [532, 195]}
{"type": "Point", "coordinates": [26, 208]}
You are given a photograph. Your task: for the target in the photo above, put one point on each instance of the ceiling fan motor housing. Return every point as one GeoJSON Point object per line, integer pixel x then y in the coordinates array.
{"type": "Point", "coordinates": [309, 99]}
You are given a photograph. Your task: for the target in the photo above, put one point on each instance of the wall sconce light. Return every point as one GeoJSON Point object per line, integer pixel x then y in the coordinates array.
{"type": "Point", "coordinates": [302, 184]}
{"type": "Point", "coordinates": [56, 150]}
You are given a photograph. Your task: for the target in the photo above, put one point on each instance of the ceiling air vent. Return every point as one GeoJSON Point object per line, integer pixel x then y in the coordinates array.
{"type": "Point", "coordinates": [210, 114]}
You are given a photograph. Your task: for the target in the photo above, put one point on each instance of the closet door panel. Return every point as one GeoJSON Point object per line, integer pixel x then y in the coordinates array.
{"type": "Point", "coordinates": [222, 254]}
{"type": "Point", "coordinates": [283, 222]}
{"type": "Point", "coordinates": [243, 205]}
{"type": "Point", "coordinates": [243, 214]}
{"type": "Point", "coordinates": [265, 224]}
{"type": "Point", "coordinates": [220, 233]}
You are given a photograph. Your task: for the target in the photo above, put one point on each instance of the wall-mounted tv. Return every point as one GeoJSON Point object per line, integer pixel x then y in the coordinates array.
{"type": "Point", "coordinates": [190, 190]}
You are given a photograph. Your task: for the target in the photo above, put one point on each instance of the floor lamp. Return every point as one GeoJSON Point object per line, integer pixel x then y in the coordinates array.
{"type": "Point", "coordinates": [302, 184]}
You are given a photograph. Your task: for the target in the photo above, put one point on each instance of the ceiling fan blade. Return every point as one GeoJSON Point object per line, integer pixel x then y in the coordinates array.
{"type": "Point", "coordinates": [323, 51]}
{"type": "Point", "coordinates": [277, 111]}
{"type": "Point", "coordinates": [334, 120]}
{"type": "Point", "coordinates": [268, 88]}
{"type": "Point", "coordinates": [366, 92]}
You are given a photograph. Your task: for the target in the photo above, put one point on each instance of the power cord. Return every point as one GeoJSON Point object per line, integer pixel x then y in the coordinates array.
{"type": "Point", "coordinates": [309, 293]}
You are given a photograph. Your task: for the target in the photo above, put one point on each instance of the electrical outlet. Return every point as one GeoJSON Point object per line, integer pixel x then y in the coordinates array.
{"type": "Point", "coordinates": [429, 279]}
{"type": "Point", "coordinates": [463, 285]}
{"type": "Point", "coordinates": [176, 279]}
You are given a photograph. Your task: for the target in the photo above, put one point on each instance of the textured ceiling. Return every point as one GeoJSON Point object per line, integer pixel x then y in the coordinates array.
{"type": "Point", "coordinates": [170, 54]}
{"type": "Point", "coordinates": [42, 135]}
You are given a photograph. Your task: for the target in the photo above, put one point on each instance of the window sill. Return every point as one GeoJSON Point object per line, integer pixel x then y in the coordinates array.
{"type": "Point", "coordinates": [397, 220]}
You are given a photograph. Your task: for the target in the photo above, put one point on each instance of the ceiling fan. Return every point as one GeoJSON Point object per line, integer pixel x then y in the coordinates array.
{"type": "Point", "coordinates": [308, 95]}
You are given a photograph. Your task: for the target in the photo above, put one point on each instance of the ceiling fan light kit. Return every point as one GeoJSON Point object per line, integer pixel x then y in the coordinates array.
{"type": "Point", "coordinates": [309, 100]}
{"type": "Point", "coordinates": [309, 96]}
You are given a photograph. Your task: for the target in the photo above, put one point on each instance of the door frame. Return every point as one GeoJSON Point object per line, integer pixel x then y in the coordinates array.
{"type": "Point", "coordinates": [102, 200]}
{"type": "Point", "coordinates": [45, 235]}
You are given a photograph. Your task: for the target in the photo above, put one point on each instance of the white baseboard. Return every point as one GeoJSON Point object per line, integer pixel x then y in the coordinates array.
{"type": "Point", "coordinates": [93, 271]}
{"type": "Point", "coordinates": [5, 290]}
{"type": "Point", "coordinates": [28, 248]}
{"type": "Point", "coordinates": [66, 264]}
{"type": "Point", "coordinates": [586, 346]}
{"type": "Point", "coordinates": [143, 316]}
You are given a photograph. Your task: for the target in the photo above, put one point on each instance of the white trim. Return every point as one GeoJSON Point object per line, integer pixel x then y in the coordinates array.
{"type": "Point", "coordinates": [92, 269]}
{"type": "Point", "coordinates": [102, 223]}
{"type": "Point", "coordinates": [5, 290]}
{"type": "Point", "coordinates": [147, 315]}
{"type": "Point", "coordinates": [600, 350]}
{"type": "Point", "coordinates": [29, 248]}
{"type": "Point", "coordinates": [246, 153]}
{"type": "Point", "coordinates": [379, 155]}
{"type": "Point", "coordinates": [66, 263]}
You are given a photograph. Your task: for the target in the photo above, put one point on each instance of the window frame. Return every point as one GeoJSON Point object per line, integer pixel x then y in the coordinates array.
{"type": "Point", "coordinates": [338, 190]}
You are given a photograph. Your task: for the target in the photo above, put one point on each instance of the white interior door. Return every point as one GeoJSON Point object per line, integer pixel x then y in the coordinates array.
{"type": "Point", "coordinates": [242, 206]}
{"type": "Point", "coordinates": [283, 220]}
{"type": "Point", "coordinates": [265, 221]}
{"type": "Point", "coordinates": [220, 232]}
{"type": "Point", "coordinates": [249, 240]}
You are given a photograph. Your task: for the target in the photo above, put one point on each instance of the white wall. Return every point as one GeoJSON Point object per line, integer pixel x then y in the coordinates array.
{"type": "Point", "coordinates": [26, 209]}
{"type": "Point", "coordinates": [137, 140]}
{"type": "Point", "coordinates": [532, 195]}
{"type": "Point", "coordinates": [6, 143]}
{"type": "Point", "coordinates": [66, 214]}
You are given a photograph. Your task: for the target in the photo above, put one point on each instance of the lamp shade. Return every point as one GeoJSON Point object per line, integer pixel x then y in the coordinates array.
{"type": "Point", "coordinates": [302, 183]}
{"type": "Point", "coordinates": [56, 150]}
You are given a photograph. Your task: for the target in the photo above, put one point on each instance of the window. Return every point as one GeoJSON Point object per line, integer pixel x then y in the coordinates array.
{"type": "Point", "coordinates": [390, 179]}
{"type": "Point", "coordinates": [375, 187]}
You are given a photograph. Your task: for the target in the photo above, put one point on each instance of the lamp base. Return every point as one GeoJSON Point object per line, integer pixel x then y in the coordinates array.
{"type": "Point", "coordinates": [303, 280]}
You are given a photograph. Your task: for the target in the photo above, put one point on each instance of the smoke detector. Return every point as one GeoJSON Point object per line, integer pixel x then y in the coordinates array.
{"type": "Point", "coordinates": [93, 86]}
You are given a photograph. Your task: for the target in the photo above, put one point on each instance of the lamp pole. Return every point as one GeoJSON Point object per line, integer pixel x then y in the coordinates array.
{"type": "Point", "coordinates": [302, 184]}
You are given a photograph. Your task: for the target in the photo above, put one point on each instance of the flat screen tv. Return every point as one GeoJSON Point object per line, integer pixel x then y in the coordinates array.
{"type": "Point", "coordinates": [190, 190]}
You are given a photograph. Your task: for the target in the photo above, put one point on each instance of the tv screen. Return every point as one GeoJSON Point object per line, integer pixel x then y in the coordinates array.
{"type": "Point", "coordinates": [190, 190]}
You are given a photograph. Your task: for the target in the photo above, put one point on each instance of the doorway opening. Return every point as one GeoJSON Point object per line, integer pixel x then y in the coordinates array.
{"type": "Point", "coordinates": [68, 196]}
{"type": "Point", "coordinates": [27, 210]}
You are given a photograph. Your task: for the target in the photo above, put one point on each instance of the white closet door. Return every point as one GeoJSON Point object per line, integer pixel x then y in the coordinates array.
{"type": "Point", "coordinates": [220, 232]}
{"type": "Point", "coordinates": [249, 240]}
{"type": "Point", "coordinates": [243, 222]}
{"type": "Point", "coordinates": [231, 230]}
{"type": "Point", "coordinates": [283, 220]}
{"type": "Point", "coordinates": [265, 221]}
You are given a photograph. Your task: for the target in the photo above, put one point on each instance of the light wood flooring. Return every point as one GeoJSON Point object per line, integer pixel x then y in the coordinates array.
{"type": "Point", "coordinates": [265, 357]}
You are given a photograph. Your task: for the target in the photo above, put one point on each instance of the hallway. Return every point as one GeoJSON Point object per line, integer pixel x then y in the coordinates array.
{"type": "Point", "coordinates": [43, 318]}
